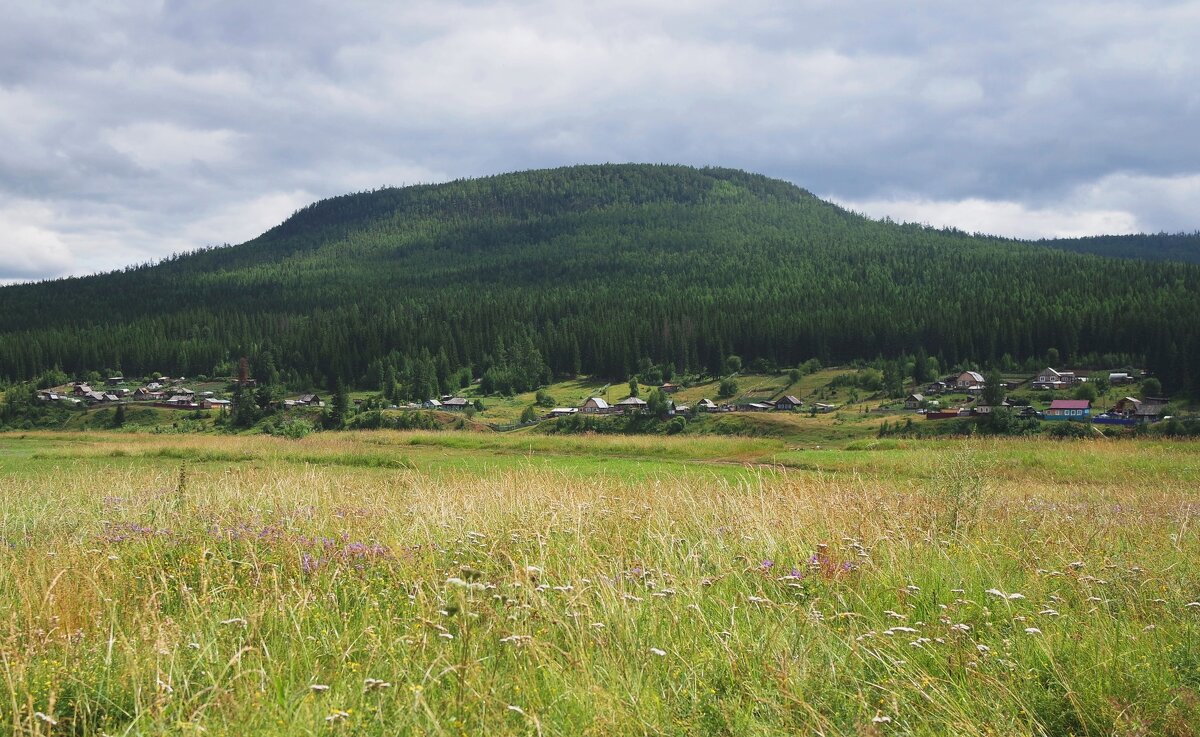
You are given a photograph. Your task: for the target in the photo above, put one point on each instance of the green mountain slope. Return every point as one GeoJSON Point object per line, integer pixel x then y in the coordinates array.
{"type": "Point", "coordinates": [1149, 246]}
{"type": "Point", "coordinates": [598, 268]}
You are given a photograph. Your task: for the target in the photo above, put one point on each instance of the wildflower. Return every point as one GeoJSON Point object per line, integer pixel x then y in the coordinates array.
{"type": "Point", "coordinates": [960, 627]}
{"type": "Point", "coordinates": [658, 652]}
{"type": "Point", "coordinates": [446, 635]}
{"type": "Point", "coordinates": [164, 686]}
{"type": "Point", "coordinates": [375, 684]}
{"type": "Point", "coordinates": [758, 600]}
{"type": "Point", "coordinates": [45, 718]}
{"type": "Point", "coordinates": [881, 719]}
{"type": "Point", "coordinates": [983, 649]}
{"type": "Point", "coordinates": [318, 688]}
{"type": "Point", "coordinates": [766, 565]}
{"type": "Point", "coordinates": [517, 639]}
{"type": "Point", "coordinates": [1002, 595]}
{"type": "Point", "coordinates": [239, 621]}
{"type": "Point", "coordinates": [337, 716]}
{"type": "Point", "coordinates": [912, 589]}
{"type": "Point", "coordinates": [1049, 612]}
{"type": "Point", "coordinates": [517, 709]}
{"type": "Point", "coordinates": [1032, 631]}
{"type": "Point", "coordinates": [459, 583]}
{"type": "Point", "coordinates": [308, 563]}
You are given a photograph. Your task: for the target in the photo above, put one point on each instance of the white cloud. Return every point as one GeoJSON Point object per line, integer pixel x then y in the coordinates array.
{"type": "Point", "coordinates": [1011, 219]}
{"type": "Point", "coordinates": [1113, 205]}
{"type": "Point", "coordinates": [29, 246]}
{"type": "Point", "coordinates": [158, 145]}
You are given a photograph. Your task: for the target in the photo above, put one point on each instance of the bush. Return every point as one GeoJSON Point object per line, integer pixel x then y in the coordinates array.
{"type": "Point", "coordinates": [728, 388]}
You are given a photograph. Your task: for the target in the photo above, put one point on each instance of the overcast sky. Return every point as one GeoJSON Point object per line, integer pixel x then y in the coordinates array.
{"type": "Point", "coordinates": [130, 130]}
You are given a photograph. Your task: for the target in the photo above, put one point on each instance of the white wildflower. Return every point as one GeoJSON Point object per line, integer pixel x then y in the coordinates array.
{"type": "Point", "coordinates": [1032, 631]}
{"type": "Point", "coordinates": [45, 718]}
{"type": "Point", "coordinates": [318, 688]}
{"type": "Point", "coordinates": [375, 684]}
{"type": "Point", "coordinates": [658, 652]}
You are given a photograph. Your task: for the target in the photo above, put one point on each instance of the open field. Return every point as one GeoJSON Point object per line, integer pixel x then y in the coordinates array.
{"type": "Point", "coordinates": [449, 583]}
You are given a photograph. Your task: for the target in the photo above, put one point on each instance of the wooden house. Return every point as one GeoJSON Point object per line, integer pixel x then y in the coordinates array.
{"type": "Point", "coordinates": [914, 401]}
{"type": "Point", "coordinates": [631, 405]}
{"type": "Point", "coordinates": [787, 403]}
{"type": "Point", "coordinates": [596, 405]}
{"type": "Point", "coordinates": [969, 380]}
{"type": "Point", "coordinates": [456, 404]}
{"type": "Point", "coordinates": [1079, 410]}
{"type": "Point", "coordinates": [706, 405]}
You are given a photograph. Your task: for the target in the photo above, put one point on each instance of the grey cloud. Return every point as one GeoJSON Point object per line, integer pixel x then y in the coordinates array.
{"type": "Point", "coordinates": [146, 128]}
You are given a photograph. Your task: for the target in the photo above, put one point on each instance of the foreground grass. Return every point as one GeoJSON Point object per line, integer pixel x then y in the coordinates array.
{"type": "Point", "coordinates": [217, 585]}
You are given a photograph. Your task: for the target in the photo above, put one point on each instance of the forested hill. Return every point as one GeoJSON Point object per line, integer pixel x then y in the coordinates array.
{"type": "Point", "coordinates": [598, 269]}
{"type": "Point", "coordinates": [1150, 246]}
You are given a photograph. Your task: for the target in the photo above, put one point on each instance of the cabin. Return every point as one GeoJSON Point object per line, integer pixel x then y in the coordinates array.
{"type": "Point", "coordinates": [310, 400]}
{"type": "Point", "coordinates": [1048, 378]}
{"type": "Point", "coordinates": [1117, 378]}
{"type": "Point", "coordinates": [631, 405]}
{"type": "Point", "coordinates": [706, 405]}
{"type": "Point", "coordinates": [937, 387]}
{"type": "Point", "coordinates": [914, 401]}
{"type": "Point", "coordinates": [211, 403]}
{"type": "Point", "coordinates": [456, 404]}
{"type": "Point", "coordinates": [563, 411]}
{"type": "Point", "coordinates": [431, 404]}
{"type": "Point", "coordinates": [596, 405]}
{"type": "Point", "coordinates": [787, 403]}
{"type": "Point", "coordinates": [969, 380]}
{"type": "Point", "coordinates": [1079, 410]}
{"type": "Point", "coordinates": [114, 380]}
{"type": "Point", "coordinates": [822, 408]}
{"type": "Point", "coordinates": [81, 390]}
{"type": "Point", "coordinates": [669, 388]}
{"type": "Point", "coordinates": [1151, 410]}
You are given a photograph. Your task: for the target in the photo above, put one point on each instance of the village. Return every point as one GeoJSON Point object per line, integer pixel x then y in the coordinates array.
{"type": "Point", "coordinates": [961, 395]}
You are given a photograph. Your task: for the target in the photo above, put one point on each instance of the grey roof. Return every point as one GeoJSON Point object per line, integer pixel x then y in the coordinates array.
{"type": "Point", "coordinates": [599, 402]}
{"type": "Point", "coordinates": [631, 401]}
{"type": "Point", "coordinates": [456, 402]}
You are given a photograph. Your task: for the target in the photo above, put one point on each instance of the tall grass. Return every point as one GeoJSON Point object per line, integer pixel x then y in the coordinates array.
{"type": "Point", "coordinates": [211, 595]}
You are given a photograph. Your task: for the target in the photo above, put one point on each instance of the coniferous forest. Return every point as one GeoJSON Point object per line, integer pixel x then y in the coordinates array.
{"type": "Point", "coordinates": [598, 269]}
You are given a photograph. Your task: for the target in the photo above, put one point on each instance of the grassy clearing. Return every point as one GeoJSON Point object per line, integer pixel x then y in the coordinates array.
{"type": "Point", "coordinates": [508, 584]}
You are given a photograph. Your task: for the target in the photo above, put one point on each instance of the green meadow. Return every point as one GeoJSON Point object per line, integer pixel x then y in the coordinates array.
{"type": "Point", "coordinates": [383, 583]}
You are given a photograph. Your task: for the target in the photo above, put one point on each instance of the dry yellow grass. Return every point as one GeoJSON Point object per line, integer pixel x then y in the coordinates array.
{"type": "Point", "coordinates": [148, 593]}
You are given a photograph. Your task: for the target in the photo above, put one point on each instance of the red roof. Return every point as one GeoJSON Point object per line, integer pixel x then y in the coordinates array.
{"type": "Point", "coordinates": [1071, 404]}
